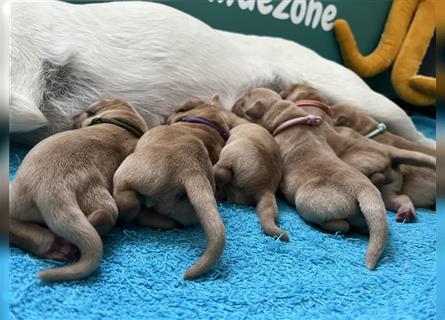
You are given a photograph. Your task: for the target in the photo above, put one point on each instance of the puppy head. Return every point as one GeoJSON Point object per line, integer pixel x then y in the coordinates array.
{"type": "Point", "coordinates": [347, 116]}
{"type": "Point", "coordinates": [255, 103]}
{"type": "Point", "coordinates": [297, 92]}
{"type": "Point", "coordinates": [106, 107]}
{"type": "Point", "coordinates": [213, 111]}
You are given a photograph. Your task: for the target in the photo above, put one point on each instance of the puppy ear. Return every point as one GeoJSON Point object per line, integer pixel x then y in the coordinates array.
{"type": "Point", "coordinates": [285, 93]}
{"type": "Point", "coordinates": [215, 99]}
{"type": "Point", "coordinates": [342, 121]}
{"type": "Point", "coordinates": [93, 108]}
{"type": "Point", "coordinates": [189, 105]}
{"type": "Point", "coordinates": [256, 110]}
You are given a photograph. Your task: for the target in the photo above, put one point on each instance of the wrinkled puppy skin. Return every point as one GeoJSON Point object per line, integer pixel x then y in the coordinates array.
{"type": "Point", "coordinates": [325, 190]}
{"type": "Point", "coordinates": [64, 183]}
{"type": "Point", "coordinates": [172, 169]}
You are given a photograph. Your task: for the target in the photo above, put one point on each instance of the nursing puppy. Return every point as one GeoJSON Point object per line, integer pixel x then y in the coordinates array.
{"type": "Point", "coordinates": [396, 172]}
{"type": "Point", "coordinates": [64, 183]}
{"type": "Point", "coordinates": [172, 169]}
{"type": "Point", "coordinates": [249, 171]}
{"type": "Point", "coordinates": [325, 190]}
{"type": "Point", "coordinates": [419, 184]}
{"type": "Point", "coordinates": [65, 77]}
{"type": "Point", "coordinates": [376, 160]}
{"type": "Point", "coordinates": [362, 122]}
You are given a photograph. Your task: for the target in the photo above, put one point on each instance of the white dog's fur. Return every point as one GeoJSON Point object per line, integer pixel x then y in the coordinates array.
{"type": "Point", "coordinates": [66, 56]}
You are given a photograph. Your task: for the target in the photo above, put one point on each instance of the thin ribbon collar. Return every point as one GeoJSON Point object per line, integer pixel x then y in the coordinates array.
{"type": "Point", "coordinates": [309, 120]}
{"type": "Point", "coordinates": [381, 127]}
{"type": "Point", "coordinates": [315, 103]}
{"type": "Point", "coordinates": [136, 131]}
{"type": "Point", "coordinates": [208, 123]}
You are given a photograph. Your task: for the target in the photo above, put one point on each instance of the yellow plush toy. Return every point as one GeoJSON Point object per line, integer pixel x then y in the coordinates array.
{"type": "Point", "coordinates": [405, 39]}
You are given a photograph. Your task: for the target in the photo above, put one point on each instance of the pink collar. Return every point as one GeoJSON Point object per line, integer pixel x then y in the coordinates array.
{"type": "Point", "coordinates": [309, 120]}
{"type": "Point", "coordinates": [315, 103]}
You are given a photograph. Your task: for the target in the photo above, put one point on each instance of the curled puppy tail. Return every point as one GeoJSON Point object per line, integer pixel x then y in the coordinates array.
{"type": "Point", "coordinates": [267, 212]}
{"type": "Point", "coordinates": [414, 158]}
{"type": "Point", "coordinates": [200, 194]}
{"type": "Point", "coordinates": [373, 209]}
{"type": "Point", "coordinates": [75, 228]}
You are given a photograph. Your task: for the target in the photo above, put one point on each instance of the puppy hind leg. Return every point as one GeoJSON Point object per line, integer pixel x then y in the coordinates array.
{"type": "Point", "coordinates": [222, 173]}
{"type": "Point", "coordinates": [127, 201]}
{"type": "Point", "coordinates": [403, 205]}
{"type": "Point", "coordinates": [69, 221]}
{"type": "Point", "coordinates": [267, 211]}
{"type": "Point", "coordinates": [103, 209]}
{"type": "Point", "coordinates": [40, 241]}
{"type": "Point", "coordinates": [399, 203]}
{"type": "Point", "coordinates": [336, 226]}
{"type": "Point", "coordinates": [148, 217]}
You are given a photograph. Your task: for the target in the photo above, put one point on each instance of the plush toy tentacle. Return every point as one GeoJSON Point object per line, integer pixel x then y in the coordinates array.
{"type": "Point", "coordinates": [424, 84]}
{"type": "Point", "coordinates": [380, 59]}
{"type": "Point", "coordinates": [410, 56]}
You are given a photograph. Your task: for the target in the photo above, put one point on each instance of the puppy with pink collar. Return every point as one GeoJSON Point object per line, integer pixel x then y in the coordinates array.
{"type": "Point", "coordinates": [325, 190]}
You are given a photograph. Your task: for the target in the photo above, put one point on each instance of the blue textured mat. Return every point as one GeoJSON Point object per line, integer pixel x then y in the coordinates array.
{"type": "Point", "coordinates": [315, 276]}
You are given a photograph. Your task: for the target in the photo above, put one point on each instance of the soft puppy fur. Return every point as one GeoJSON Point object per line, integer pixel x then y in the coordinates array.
{"type": "Point", "coordinates": [362, 122]}
{"type": "Point", "coordinates": [325, 190]}
{"type": "Point", "coordinates": [64, 183]}
{"type": "Point", "coordinates": [380, 162]}
{"type": "Point", "coordinates": [249, 171]}
{"type": "Point", "coordinates": [172, 169]}
{"type": "Point", "coordinates": [419, 183]}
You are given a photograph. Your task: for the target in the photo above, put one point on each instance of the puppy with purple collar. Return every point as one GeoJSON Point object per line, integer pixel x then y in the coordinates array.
{"type": "Point", "coordinates": [171, 169]}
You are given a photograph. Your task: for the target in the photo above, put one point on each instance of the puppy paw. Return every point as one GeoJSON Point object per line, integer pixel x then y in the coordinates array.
{"type": "Point", "coordinates": [406, 214]}
{"type": "Point", "coordinates": [277, 232]}
{"type": "Point", "coordinates": [61, 250]}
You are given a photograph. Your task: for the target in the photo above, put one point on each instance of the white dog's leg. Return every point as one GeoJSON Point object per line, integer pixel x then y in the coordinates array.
{"type": "Point", "coordinates": [24, 114]}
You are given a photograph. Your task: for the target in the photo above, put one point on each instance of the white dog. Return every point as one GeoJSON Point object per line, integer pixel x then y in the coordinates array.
{"type": "Point", "coordinates": [65, 56]}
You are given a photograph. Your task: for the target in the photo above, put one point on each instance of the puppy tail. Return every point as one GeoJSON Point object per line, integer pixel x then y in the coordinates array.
{"type": "Point", "coordinates": [24, 115]}
{"type": "Point", "coordinates": [267, 212]}
{"type": "Point", "coordinates": [414, 158]}
{"type": "Point", "coordinates": [200, 194]}
{"type": "Point", "coordinates": [373, 209]}
{"type": "Point", "coordinates": [76, 229]}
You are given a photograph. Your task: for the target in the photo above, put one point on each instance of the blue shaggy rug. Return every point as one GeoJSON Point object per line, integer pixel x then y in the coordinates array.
{"type": "Point", "coordinates": [314, 276]}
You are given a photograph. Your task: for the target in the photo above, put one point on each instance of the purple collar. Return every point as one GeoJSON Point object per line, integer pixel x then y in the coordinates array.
{"type": "Point", "coordinates": [215, 127]}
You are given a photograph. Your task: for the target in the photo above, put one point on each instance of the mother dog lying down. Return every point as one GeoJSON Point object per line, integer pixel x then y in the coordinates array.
{"type": "Point", "coordinates": [65, 56]}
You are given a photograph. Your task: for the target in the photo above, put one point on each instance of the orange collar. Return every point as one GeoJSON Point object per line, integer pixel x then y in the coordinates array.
{"type": "Point", "coordinates": [315, 103]}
